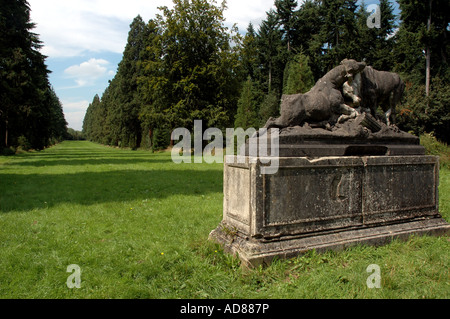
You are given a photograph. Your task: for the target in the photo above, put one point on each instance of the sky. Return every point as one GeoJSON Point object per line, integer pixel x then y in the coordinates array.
{"type": "Point", "coordinates": [84, 41]}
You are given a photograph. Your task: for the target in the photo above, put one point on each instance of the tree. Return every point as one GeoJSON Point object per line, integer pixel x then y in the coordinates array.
{"type": "Point", "coordinates": [247, 115]}
{"type": "Point", "coordinates": [128, 104]}
{"type": "Point", "coordinates": [337, 38]}
{"type": "Point", "coordinates": [270, 52]}
{"type": "Point", "coordinates": [194, 78]}
{"type": "Point", "coordinates": [285, 10]}
{"type": "Point", "coordinates": [422, 40]}
{"type": "Point", "coordinates": [29, 108]}
{"type": "Point", "coordinates": [376, 44]}
{"type": "Point", "coordinates": [93, 122]}
{"type": "Point", "coordinates": [430, 114]}
{"type": "Point", "coordinates": [307, 36]}
{"type": "Point", "coordinates": [298, 75]}
{"type": "Point", "coordinates": [249, 53]}
{"type": "Point", "coordinates": [270, 107]}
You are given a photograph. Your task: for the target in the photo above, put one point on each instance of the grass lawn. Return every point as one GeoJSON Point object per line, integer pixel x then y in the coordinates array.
{"type": "Point", "coordinates": [137, 225]}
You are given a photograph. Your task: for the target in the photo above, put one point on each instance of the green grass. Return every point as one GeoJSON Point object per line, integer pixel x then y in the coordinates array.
{"type": "Point", "coordinates": [137, 225]}
{"type": "Point", "coordinates": [437, 148]}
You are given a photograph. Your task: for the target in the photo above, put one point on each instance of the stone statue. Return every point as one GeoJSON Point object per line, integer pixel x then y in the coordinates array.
{"type": "Point", "coordinates": [342, 176]}
{"type": "Point", "coordinates": [352, 90]}
{"type": "Point", "coordinates": [324, 103]}
{"type": "Point", "coordinates": [338, 117]}
{"type": "Point", "coordinates": [377, 89]}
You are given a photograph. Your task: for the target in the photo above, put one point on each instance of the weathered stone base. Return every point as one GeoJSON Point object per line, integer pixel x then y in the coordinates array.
{"type": "Point", "coordinates": [326, 203]}
{"type": "Point", "coordinates": [257, 252]}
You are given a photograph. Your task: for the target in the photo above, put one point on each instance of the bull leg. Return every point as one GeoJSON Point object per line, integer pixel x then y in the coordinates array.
{"type": "Point", "coordinates": [390, 120]}
{"type": "Point", "coordinates": [392, 102]}
{"type": "Point", "coordinates": [275, 123]}
{"type": "Point", "coordinates": [388, 116]}
{"type": "Point", "coordinates": [347, 113]}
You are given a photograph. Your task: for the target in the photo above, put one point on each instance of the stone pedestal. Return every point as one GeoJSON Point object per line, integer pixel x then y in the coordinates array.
{"type": "Point", "coordinates": [326, 203]}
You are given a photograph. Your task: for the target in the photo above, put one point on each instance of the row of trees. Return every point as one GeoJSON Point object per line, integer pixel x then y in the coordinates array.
{"type": "Point", "coordinates": [31, 114]}
{"type": "Point", "coordinates": [186, 65]}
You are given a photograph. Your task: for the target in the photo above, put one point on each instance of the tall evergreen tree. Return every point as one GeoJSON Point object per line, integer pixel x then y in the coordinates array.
{"type": "Point", "coordinates": [249, 53]}
{"type": "Point", "coordinates": [423, 39]}
{"type": "Point", "coordinates": [128, 100]}
{"type": "Point", "coordinates": [285, 10]}
{"type": "Point", "coordinates": [298, 75]}
{"type": "Point", "coordinates": [376, 44]}
{"type": "Point", "coordinates": [247, 113]}
{"type": "Point", "coordinates": [271, 52]}
{"type": "Point", "coordinates": [28, 106]}
{"type": "Point", "coordinates": [307, 36]}
{"type": "Point", "coordinates": [339, 31]}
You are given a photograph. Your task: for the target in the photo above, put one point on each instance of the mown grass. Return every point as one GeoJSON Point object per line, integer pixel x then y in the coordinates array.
{"type": "Point", "coordinates": [137, 225]}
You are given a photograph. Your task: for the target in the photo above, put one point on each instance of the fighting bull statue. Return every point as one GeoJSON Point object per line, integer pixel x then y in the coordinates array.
{"type": "Point", "coordinates": [371, 88]}
{"type": "Point", "coordinates": [325, 103]}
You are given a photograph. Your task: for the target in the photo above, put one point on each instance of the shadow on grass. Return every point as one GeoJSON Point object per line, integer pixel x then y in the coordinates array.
{"type": "Point", "coordinates": [23, 192]}
{"type": "Point", "coordinates": [91, 160]}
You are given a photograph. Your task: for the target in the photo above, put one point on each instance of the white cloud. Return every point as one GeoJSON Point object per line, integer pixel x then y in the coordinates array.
{"type": "Point", "coordinates": [71, 27]}
{"type": "Point", "coordinates": [74, 113]}
{"type": "Point", "coordinates": [80, 28]}
{"type": "Point", "coordinates": [88, 72]}
{"type": "Point", "coordinates": [243, 12]}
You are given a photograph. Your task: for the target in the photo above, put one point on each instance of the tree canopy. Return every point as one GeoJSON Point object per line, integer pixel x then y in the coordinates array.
{"type": "Point", "coordinates": [185, 65]}
{"type": "Point", "coordinates": [31, 114]}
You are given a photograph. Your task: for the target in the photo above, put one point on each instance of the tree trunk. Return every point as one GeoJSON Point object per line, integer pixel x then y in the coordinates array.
{"type": "Point", "coordinates": [428, 57]}
{"type": "Point", "coordinates": [270, 76]}
{"type": "Point", "coordinates": [150, 137]}
{"type": "Point", "coordinates": [6, 133]}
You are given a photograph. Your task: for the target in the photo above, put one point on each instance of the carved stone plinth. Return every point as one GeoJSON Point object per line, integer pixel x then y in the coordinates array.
{"type": "Point", "coordinates": [326, 203]}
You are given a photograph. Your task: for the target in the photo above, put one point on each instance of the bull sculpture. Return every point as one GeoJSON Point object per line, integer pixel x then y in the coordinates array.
{"type": "Point", "coordinates": [371, 89]}
{"type": "Point", "coordinates": [325, 103]}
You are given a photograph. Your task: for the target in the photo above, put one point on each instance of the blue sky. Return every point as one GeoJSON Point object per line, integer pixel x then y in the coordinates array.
{"type": "Point", "coordinates": [84, 41]}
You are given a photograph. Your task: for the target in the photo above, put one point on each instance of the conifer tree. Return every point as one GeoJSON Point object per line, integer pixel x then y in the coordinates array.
{"type": "Point", "coordinates": [247, 115]}
{"type": "Point", "coordinates": [270, 107]}
{"type": "Point", "coordinates": [423, 39]}
{"type": "Point", "coordinates": [128, 99]}
{"type": "Point", "coordinates": [298, 75]}
{"type": "Point", "coordinates": [307, 36]}
{"type": "Point", "coordinates": [338, 31]}
{"type": "Point", "coordinates": [271, 52]}
{"type": "Point", "coordinates": [285, 10]}
{"type": "Point", "coordinates": [249, 53]}
{"type": "Point", "coordinates": [376, 44]}
{"type": "Point", "coordinates": [28, 107]}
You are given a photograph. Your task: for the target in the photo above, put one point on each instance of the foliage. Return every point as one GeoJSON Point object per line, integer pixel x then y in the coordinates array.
{"type": "Point", "coordinates": [74, 135]}
{"type": "Point", "coordinates": [298, 75]}
{"type": "Point", "coordinates": [436, 148]}
{"type": "Point", "coordinates": [422, 114]}
{"type": "Point", "coordinates": [29, 108]}
{"type": "Point", "coordinates": [414, 38]}
{"type": "Point", "coordinates": [186, 65]}
{"type": "Point", "coordinates": [270, 107]}
{"type": "Point", "coordinates": [247, 113]}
